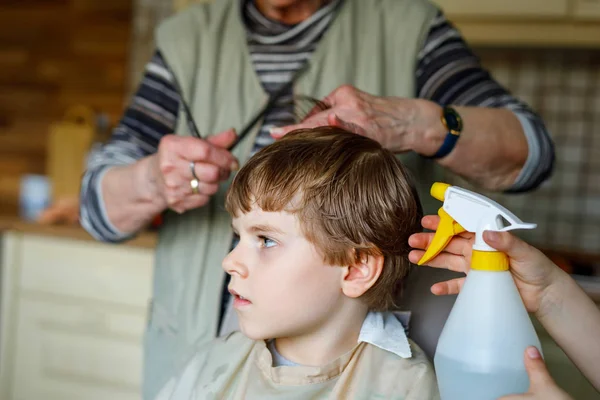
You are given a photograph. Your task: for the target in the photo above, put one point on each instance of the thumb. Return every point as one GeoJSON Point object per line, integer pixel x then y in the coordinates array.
{"type": "Point", "coordinates": [507, 243]}
{"type": "Point", "coordinates": [539, 377]}
{"type": "Point", "coordinates": [223, 139]}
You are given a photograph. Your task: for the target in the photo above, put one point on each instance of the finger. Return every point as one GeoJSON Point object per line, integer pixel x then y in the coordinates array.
{"type": "Point", "coordinates": [458, 245]}
{"type": "Point", "coordinates": [539, 377]}
{"type": "Point", "coordinates": [223, 139]}
{"type": "Point", "coordinates": [177, 178]}
{"type": "Point", "coordinates": [190, 202]}
{"type": "Point", "coordinates": [178, 182]}
{"type": "Point", "coordinates": [317, 120]}
{"type": "Point", "coordinates": [420, 240]}
{"type": "Point", "coordinates": [430, 222]}
{"type": "Point", "coordinates": [443, 260]}
{"type": "Point", "coordinates": [342, 95]}
{"type": "Point", "coordinates": [452, 286]}
{"type": "Point", "coordinates": [279, 132]}
{"type": "Point", "coordinates": [315, 109]}
{"type": "Point", "coordinates": [207, 189]}
{"type": "Point", "coordinates": [334, 120]}
{"type": "Point", "coordinates": [193, 149]}
{"type": "Point", "coordinates": [209, 173]}
{"type": "Point", "coordinates": [514, 247]}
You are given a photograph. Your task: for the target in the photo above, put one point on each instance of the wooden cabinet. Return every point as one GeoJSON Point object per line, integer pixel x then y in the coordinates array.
{"type": "Point", "coordinates": [505, 8]}
{"type": "Point", "coordinates": [536, 10]}
{"type": "Point", "coordinates": [529, 23]}
{"type": "Point", "coordinates": [586, 9]}
{"type": "Point", "coordinates": [73, 317]}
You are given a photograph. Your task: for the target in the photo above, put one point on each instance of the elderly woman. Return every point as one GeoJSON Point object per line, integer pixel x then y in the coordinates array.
{"type": "Point", "coordinates": [436, 106]}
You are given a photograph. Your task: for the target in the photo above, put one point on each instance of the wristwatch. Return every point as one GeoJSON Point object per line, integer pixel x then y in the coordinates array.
{"type": "Point", "coordinates": [453, 123]}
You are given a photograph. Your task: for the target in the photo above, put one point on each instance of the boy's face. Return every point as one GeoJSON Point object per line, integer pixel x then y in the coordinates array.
{"type": "Point", "coordinates": [285, 286]}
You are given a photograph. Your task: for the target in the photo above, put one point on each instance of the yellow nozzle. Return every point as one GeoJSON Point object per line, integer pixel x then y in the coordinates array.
{"type": "Point", "coordinates": [444, 233]}
{"type": "Point", "coordinates": [447, 228]}
{"type": "Point", "coordinates": [438, 190]}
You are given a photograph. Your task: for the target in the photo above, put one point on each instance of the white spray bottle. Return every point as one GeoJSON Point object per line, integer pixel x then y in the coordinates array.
{"type": "Point", "coordinates": [480, 353]}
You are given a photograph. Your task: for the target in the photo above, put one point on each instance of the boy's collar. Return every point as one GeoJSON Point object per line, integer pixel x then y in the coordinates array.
{"type": "Point", "coordinates": [384, 330]}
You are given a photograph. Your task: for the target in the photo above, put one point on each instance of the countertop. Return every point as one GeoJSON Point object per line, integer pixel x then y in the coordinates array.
{"type": "Point", "coordinates": [7, 223]}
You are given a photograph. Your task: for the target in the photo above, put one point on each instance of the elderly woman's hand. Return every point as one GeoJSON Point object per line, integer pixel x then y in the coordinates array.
{"type": "Point", "coordinates": [169, 174]}
{"type": "Point", "coordinates": [541, 384]}
{"type": "Point", "coordinates": [399, 124]}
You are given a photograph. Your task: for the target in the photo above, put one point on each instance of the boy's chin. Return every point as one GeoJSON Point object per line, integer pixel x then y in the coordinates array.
{"type": "Point", "coordinates": [256, 334]}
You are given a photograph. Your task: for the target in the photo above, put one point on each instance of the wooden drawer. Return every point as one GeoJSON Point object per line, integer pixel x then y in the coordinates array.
{"type": "Point", "coordinates": [76, 351]}
{"type": "Point", "coordinates": [74, 315]}
{"type": "Point", "coordinates": [86, 270]}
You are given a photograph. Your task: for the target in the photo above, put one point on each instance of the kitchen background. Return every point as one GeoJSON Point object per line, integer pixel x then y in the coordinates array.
{"type": "Point", "coordinates": [91, 53]}
{"type": "Point", "coordinates": [67, 68]}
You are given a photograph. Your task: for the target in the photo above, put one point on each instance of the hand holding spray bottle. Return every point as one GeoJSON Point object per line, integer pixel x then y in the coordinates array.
{"type": "Point", "coordinates": [480, 351]}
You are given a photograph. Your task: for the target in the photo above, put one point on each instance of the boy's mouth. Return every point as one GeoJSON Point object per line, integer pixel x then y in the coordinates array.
{"type": "Point", "coordinates": [239, 300]}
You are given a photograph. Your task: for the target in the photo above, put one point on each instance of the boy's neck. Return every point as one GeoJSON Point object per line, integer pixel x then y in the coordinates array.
{"type": "Point", "coordinates": [327, 343]}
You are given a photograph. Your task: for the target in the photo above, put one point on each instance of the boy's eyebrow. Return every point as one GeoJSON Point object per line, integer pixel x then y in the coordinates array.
{"type": "Point", "coordinates": [265, 229]}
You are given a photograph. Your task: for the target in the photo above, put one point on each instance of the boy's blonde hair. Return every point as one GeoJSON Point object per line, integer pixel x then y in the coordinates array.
{"type": "Point", "coordinates": [352, 197]}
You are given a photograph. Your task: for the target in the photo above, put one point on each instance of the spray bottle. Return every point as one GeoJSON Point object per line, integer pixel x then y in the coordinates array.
{"type": "Point", "coordinates": [480, 352]}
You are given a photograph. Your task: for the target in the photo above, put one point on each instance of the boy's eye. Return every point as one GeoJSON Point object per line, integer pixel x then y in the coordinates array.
{"type": "Point", "coordinates": [266, 242]}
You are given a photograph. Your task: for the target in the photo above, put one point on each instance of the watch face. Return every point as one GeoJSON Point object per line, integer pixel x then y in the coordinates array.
{"type": "Point", "coordinates": [453, 119]}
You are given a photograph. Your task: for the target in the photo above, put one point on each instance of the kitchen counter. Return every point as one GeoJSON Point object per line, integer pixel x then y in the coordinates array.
{"type": "Point", "coordinates": [7, 223]}
{"type": "Point", "coordinates": [72, 312]}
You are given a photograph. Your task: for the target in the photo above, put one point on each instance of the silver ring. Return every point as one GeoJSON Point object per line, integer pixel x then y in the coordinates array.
{"type": "Point", "coordinates": [194, 183]}
{"type": "Point", "coordinates": [193, 170]}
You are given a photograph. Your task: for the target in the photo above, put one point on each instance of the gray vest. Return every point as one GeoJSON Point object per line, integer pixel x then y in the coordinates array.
{"type": "Point", "coordinates": [371, 44]}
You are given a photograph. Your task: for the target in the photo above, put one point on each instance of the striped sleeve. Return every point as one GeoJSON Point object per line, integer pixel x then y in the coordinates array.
{"type": "Point", "coordinates": [449, 73]}
{"type": "Point", "coordinates": [151, 114]}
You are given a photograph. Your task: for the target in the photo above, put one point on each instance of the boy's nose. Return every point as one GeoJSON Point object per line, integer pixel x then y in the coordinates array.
{"type": "Point", "coordinates": [233, 264]}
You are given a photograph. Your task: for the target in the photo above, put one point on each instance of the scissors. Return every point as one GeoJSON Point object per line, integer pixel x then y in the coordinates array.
{"type": "Point", "coordinates": [273, 99]}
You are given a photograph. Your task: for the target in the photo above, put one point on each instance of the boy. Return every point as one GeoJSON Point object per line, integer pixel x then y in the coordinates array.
{"type": "Point", "coordinates": [323, 218]}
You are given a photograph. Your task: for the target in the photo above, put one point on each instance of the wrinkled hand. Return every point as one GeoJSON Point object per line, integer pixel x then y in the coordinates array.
{"type": "Point", "coordinates": [541, 384]}
{"type": "Point", "coordinates": [532, 271]}
{"type": "Point", "coordinates": [398, 124]}
{"type": "Point", "coordinates": [169, 174]}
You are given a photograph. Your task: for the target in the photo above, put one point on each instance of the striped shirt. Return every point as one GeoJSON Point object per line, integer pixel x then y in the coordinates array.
{"type": "Point", "coordinates": [447, 73]}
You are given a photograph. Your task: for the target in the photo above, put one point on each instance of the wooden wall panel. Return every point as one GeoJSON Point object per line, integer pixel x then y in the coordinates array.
{"type": "Point", "coordinates": [55, 54]}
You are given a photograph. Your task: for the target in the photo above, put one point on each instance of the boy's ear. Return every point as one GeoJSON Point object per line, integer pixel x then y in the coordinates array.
{"type": "Point", "coordinates": [362, 275]}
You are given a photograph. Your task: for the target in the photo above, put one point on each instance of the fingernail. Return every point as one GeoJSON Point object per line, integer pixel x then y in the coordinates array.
{"type": "Point", "coordinates": [234, 166]}
{"type": "Point", "coordinates": [276, 131]}
{"type": "Point", "coordinates": [492, 235]}
{"type": "Point", "coordinates": [533, 353]}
